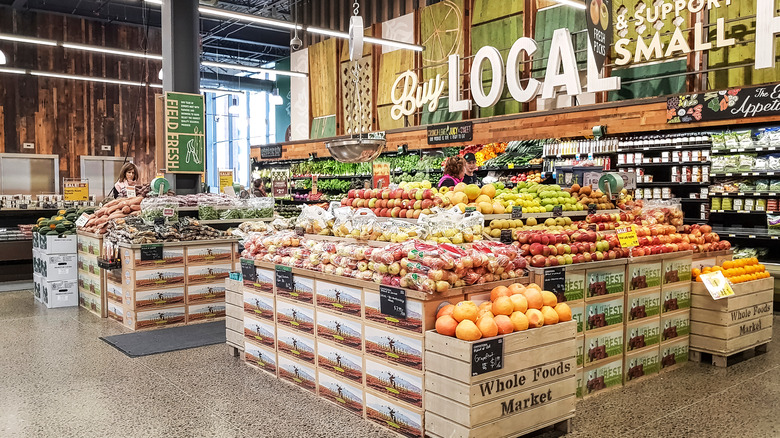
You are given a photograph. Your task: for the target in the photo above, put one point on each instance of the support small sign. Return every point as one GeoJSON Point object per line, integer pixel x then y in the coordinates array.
{"type": "Point", "coordinates": [248, 271]}
{"type": "Point", "coordinates": [487, 356]}
{"type": "Point", "coordinates": [151, 252]}
{"type": "Point", "coordinates": [717, 285]}
{"type": "Point", "coordinates": [392, 301]}
{"type": "Point", "coordinates": [284, 278]}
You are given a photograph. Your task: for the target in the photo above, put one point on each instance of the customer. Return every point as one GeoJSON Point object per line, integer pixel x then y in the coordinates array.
{"type": "Point", "coordinates": [259, 189]}
{"type": "Point", "coordinates": [454, 170]}
{"type": "Point", "coordinates": [471, 167]}
{"type": "Point", "coordinates": [128, 175]}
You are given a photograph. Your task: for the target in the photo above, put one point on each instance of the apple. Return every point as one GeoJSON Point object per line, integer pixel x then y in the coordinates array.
{"type": "Point", "coordinates": [586, 257]}
{"type": "Point", "coordinates": [538, 261]}
{"type": "Point", "coordinates": [419, 194]}
{"type": "Point", "coordinates": [410, 214]}
{"type": "Point", "coordinates": [561, 260]}
{"type": "Point", "coordinates": [598, 256]}
{"type": "Point", "coordinates": [611, 254]}
{"type": "Point", "coordinates": [536, 249]}
{"type": "Point", "coordinates": [427, 203]}
{"type": "Point", "coordinates": [552, 261]}
{"type": "Point", "coordinates": [416, 214]}
{"type": "Point", "coordinates": [372, 203]}
{"type": "Point", "coordinates": [395, 212]}
{"type": "Point", "coordinates": [418, 205]}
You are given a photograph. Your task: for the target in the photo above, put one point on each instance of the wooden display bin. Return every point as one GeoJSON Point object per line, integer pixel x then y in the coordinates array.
{"type": "Point", "coordinates": [344, 393]}
{"type": "Point", "coordinates": [535, 388]}
{"type": "Point", "coordinates": [260, 357]}
{"type": "Point", "coordinates": [641, 363]}
{"type": "Point", "coordinates": [731, 325]}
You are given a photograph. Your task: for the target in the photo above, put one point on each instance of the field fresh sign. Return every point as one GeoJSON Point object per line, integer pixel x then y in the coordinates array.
{"type": "Point", "coordinates": [185, 150]}
{"type": "Point", "coordinates": [408, 94]}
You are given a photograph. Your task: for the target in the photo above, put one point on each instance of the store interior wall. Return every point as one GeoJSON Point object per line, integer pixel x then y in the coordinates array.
{"type": "Point", "coordinates": [73, 118]}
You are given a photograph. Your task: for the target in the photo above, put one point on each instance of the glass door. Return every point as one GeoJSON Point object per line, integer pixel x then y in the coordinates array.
{"type": "Point", "coordinates": [102, 173]}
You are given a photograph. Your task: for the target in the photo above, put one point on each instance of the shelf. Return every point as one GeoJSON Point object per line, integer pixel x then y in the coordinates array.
{"type": "Point", "coordinates": [412, 172]}
{"type": "Point", "coordinates": [684, 163]}
{"type": "Point", "coordinates": [672, 184]}
{"type": "Point", "coordinates": [235, 221]}
{"type": "Point", "coordinates": [692, 200]}
{"type": "Point", "coordinates": [740, 150]}
{"type": "Point", "coordinates": [332, 177]}
{"type": "Point", "coordinates": [744, 212]}
{"type": "Point", "coordinates": [746, 233]}
{"type": "Point", "coordinates": [678, 147]}
{"type": "Point", "coordinates": [585, 155]}
{"type": "Point", "coordinates": [741, 194]}
{"type": "Point", "coordinates": [728, 174]}
{"type": "Point", "coordinates": [515, 168]}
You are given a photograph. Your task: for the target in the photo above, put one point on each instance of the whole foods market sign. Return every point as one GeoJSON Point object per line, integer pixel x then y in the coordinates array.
{"type": "Point", "coordinates": [185, 150]}
{"type": "Point", "coordinates": [408, 94]}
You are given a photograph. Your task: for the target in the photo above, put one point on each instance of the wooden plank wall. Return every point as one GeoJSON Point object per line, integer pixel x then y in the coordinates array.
{"type": "Point", "coordinates": [71, 118]}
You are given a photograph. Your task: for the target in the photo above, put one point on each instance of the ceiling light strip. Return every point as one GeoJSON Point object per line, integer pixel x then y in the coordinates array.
{"type": "Point", "coordinates": [571, 3]}
{"type": "Point", "coordinates": [23, 39]}
{"type": "Point", "coordinates": [111, 51]}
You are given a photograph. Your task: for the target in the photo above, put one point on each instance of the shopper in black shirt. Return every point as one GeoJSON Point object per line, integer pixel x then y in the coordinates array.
{"type": "Point", "coordinates": [471, 167]}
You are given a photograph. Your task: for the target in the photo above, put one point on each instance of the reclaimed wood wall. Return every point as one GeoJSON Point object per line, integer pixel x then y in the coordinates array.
{"type": "Point", "coordinates": [72, 118]}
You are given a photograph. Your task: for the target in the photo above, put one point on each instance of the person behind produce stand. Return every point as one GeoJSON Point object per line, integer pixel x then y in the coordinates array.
{"type": "Point", "coordinates": [471, 167]}
{"type": "Point", "coordinates": [454, 171]}
{"type": "Point", "coordinates": [259, 189]}
{"type": "Point", "coordinates": [127, 178]}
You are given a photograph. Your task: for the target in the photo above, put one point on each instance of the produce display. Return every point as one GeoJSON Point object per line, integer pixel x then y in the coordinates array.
{"type": "Point", "coordinates": [736, 271]}
{"type": "Point", "coordinates": [553, 248]}
{"type": "Point", "coordinates": [510, 309]}
{"type": "Point", "coordinates": [537, 198]}
{"type": "Point", "coordinates": [516, 153]}
{"type": "Point", "coordinates": [136, 230]}
{"type": "Point", "coordinates": [532, 176]}
{"type": "Point", "coordinates": [63, 223]}
{"type": "Point", "coordinates": [114, 209]}
{"type": "Point", "coordinates": [413, 264]}
{"type": "Point", "coordinates": [329, 167]}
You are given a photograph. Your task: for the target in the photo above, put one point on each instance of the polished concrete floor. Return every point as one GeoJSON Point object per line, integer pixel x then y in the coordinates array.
{"type": "Point", "coordinates": [58, 379]}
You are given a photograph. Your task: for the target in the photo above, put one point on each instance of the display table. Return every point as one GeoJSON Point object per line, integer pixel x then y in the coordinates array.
{"type": "Point", "coordinates": [171, 283]}
{"type": "Point", "coordinates": [92, 279]}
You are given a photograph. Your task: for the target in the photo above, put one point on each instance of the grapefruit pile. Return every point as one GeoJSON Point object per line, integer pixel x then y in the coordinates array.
{"type": "Point", "coordinates": [510, 309]}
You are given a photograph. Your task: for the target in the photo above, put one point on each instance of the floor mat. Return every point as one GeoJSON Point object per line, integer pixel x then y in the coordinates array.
{"type": "Point", "coordinates": [144, 343]}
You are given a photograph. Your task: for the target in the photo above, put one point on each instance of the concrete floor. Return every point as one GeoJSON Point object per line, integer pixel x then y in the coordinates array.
{"type": "Point", "coordinates": [59, 379]}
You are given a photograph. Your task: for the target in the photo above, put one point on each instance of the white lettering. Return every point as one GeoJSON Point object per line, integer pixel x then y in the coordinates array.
{"type": "Point", "coordinates": [721, 40]}
{"type": "Point", "coordinates": [456, 103]}
{"type": "Point", "coordinates": [677, 44]}
{"type": "Point", "coordinates": [648, 52]}
{"type": "Point", "coordinates": [595, 83]}
{"type": "Point", "coordinates": [561, 56]}
{"type": "Point", "coordinates": [698, 38]}
{"type": "Point", "coordinates": [767, 26]}
{"type": "Point", "coordinates": [493, 56]}
{"type": "Point", "coordinates": [528, 46]}
{"type": "Point", "coordinates": [413, 97]}
{"type": "Point", "coordinates": [623, 53]}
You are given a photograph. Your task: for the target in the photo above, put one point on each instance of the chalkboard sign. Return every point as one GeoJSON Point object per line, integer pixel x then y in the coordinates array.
{"type": "Point", "coordinates": [248, 270]}
{"type": "Point", "coordinates": [517, 212]}
{"type": "Point", "coordinates": [159, 221]}
{"type": "Point", "coordinates": [557, 211]}
{"type": "Point", "coordinates": [271, 151]}
{"type": "Point", "coordinates": [450, 133]}
{"type": "Point", "coordinates": [152, 251]}
{"type": "Point", "coordinates": [506, 237]}
{"type": "Point", "coordinates": [591, 208]}
{"type": "Point", "coordinates": [555, 281]}
{"type": "Point", "coordinates": [284, 278]}
{"type": "Point", "coordinates": [300, 231]}
{"type": "Point", "coordinates": [392, 301]}
{"type": "Point", "coordinates": [487, 356]}
{"type": "Point", "coordinates": [593, 227]}
{"type": "Point", "coordinates": [736, 103]}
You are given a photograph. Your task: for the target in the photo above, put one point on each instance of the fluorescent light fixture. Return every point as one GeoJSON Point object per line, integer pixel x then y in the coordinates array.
{"type": "Point", "coordinates": [23, 39]}
{"type": "Point", "coordinates": [155, 86]}
{"type": "Point", "coordinates": [328, 32]}
{"type": "Point", "coordinates": [216, 12]}
{"type": "Point", "coordinates": [234, 108]}
{"type": "Point", "coordinates": [18, 71]}
{"type": "Point", "coordinates": [253, 69]}
{"type": "Point", "coordinates": [2, 58]}
{"type": "Point", "coordinates": [393, 43]}
{"type": "Point", "coordinates": [110, 51]}
{"type": "Point", "coordinates": [86, 78]}
{"type": "Point", "coordinates": [572, 3]}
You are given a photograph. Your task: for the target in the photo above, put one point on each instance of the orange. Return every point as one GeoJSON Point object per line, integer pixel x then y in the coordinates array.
{"type": "Point", "coordinates": [516, 288]}
{"type": "Point", "coordinates": [487, 326]}
{"type": "Point", "coordinates": [499, 291]}
{"type": "Point", "coordinates": [564, 312]}
{"type": "Point", "coordinates": [520, 303]}
{"type": "Point", "coordinates": [535, 318]}
{"type": "Point", "coordinates": [696, 271]}
{"type": "Point", "coordinates": [446, 310]}
{"type": "Point", "coordinates": [503, 306]}
{"type": "Point", "coordinates": [504, 324]}
{"type": "Point", "coordinates": [465, 310]}
{"type": "Point", "coordinates": [549, 298]}
{"type": "Point", "coordinates": [467, 331]}
{"type": "Point", "coordinates": [534, 298]}
{"type": "Point", "coordinates": [519, 321]}
{"type": "Point", "coordinates": [550, 315]}
{"type": "Point", "coordinates": [728, 264]}
{"type": "Point", "coordinates": [446, 325]}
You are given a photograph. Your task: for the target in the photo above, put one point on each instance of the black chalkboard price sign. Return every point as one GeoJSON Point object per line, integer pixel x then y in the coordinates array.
{"type": "Point", "coordinates": [392, 301]}
{"type": "Point", "coordinates": [487, 356]}
{"type": "Point", "coordinates": [248, 271]}
{"type": "Point", "coordinates": [557, 211]}
{"type": "Point", "coordinates": [555, 281]}
{"type": "Point", "coordinates": [284, 278]}
{"type": "Point", "coordinates": [271, 151]}
{"type": "Point", "coordinates": [506, 237]}
{"type": "Point", "coordinates": [517, 212]}
{"type": "Point", "coordinates": [152, 251]}
{"type": "Point", "coordinates": [591, 208]}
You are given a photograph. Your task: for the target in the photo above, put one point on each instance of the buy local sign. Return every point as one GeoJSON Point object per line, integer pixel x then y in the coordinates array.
{"type": "Point", "coordinates": [185, 146]}
{"type": "Point", "coordinates": [408, 94]}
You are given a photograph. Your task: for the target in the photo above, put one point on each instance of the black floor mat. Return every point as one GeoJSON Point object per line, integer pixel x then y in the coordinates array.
{"type": "Point", "coordinates": [144, 343]}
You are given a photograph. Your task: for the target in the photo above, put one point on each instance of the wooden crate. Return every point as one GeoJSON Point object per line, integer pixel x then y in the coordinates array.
{"type": "Point", "coordinates": [296, 345]}
{"type": "Point", "coordinates": [341, 330]}
{"type": "Point", "coordinates": [341, 392]}
{"type": "Point", "coordinates": [303, 290]}
{"type": "Point", "coordinates": [603, 345]}
{"type": "Point", "coordinates": [675, 270]}
{"type": "Point", "coordinates": [674, 353]}
{"type": "Point", "coordinates": [642, 333]}
{"type": "Point", "coordinates": [339, 361]}
{"type": "Point", "coordinates": [607, 311]}
{"type": "Point", "coordinates": [644, 275]}
{"type": "Point", "coordinates": [260, 357]}
{"type": "Point", "coordinates": [643, 304]}
{"type": "Point", "coordinates": [535, 388]}
{"type": "Point", "coordinates": [602, 377]}
{"type": "Point", "coordinates": [730, 325]}
{"type": "Point", "coordinates": [207, 254]}
{"type": "Point", "coordinates": [400, 384]}
{"type": "Point", "coordinates": [421, 315]}
{"type": "Point", "coordinates": [641, 363]}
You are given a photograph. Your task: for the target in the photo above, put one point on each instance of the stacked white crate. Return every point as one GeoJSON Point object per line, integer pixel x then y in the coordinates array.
{"type": "Point", "coordinates": [55, 270]}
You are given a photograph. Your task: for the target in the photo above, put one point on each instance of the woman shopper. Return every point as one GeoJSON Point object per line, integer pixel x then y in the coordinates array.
{"type": "Point", "coordinates": [454, 170]}
{"type": "Point", "coordinates": [128, 175]}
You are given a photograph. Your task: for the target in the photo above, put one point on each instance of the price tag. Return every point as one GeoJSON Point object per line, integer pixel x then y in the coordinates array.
{"type": "Point", "coordinates": [555, 281]}
{"type": "Point", "coordinates": [510, 166]}
{"type": "Point", "coordinates": [392, 301]}
{"type": "Point", "coordinates": [152, 251]}
{"type": "Point", "coordinates": [517, 212]}
{"type": "Point", "coordinates": [23, 206]}
{"type": "Point", "coordinates": [592, 208]}
{"type": "Point", "coordinates": [284, 278]}
{"type": "Point", "coordinates": [487, 356]}
{"type": "Point", "coordinates": [299, 231]}
{"type": "Point", "coordinates": [728, 174]}
{"type": "Point", "coordinates": [229, 191]}
{"type": "Point", "coordinates": [82, 220]}
{"type": "Point", "coordinates": [168, 212]}
{"type": "Point", "coordinates": [470, 210]}
{"type": "Point", "coordinates": [131, 191]}
{"type": "Point", "coordinates": [248, 270]}
{"type": "Point", "coordinates": [557, 211]}
{"type": "Point", "coordinates": [717, 285]}
{"type": "Point", "coordinates": [506, 237]}
{"type": "Point", "coordinates": [627, 237]}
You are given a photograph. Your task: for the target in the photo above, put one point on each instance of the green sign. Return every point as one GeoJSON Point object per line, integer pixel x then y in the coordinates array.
{"type": "Point", "coordinates": [185, 135]}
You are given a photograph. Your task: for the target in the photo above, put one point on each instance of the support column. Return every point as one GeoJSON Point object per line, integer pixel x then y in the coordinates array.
{"type": "Point", "coordinates": [181, 46]}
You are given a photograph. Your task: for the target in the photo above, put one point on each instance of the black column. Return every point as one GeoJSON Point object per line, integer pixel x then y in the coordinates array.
{"type": "Point", "coordinates": [181, 46]}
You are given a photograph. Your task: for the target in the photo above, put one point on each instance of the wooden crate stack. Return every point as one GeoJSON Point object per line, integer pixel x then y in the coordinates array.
{"type": "Point", "coordinates": [534, 389]}
{"type": "Point", "coordinates": [234, 315]}
{"type": "Point", "coordinates": [725, 327]}
{"type": "Point", "coordinates": [643, 318]}
{"type": "Point", "coordinates": [92, 279]}
{"type": "Point", "coordinates": [329, 336]}
{"type": "Point", "coordinates": [185, 286]}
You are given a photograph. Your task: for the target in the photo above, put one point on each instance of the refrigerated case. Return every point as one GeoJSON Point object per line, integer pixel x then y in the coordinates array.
{"type": "Point", "coordinates": [29, 174]}
{"type": "Point", "coordinates": [102, 173]}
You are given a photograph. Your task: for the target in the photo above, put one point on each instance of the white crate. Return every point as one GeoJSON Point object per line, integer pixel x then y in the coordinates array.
{"type": "Point", "coordinates": [55, 294]}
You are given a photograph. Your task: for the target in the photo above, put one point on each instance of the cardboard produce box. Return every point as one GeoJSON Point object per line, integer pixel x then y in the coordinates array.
{"type": "Point", "coordinates": [303, 290]}
{"type": "Point", "coordinates": [207, 292]}
{"type": "Point", "coordinates": [51, 245]}
{"type": "Point", "coordinates": [340, 362]}
{"type": "Point", "coordinates": [296, 316]}
{"type": "Point", "coordinates": [642, 363]}
{"type": "Point", "coordinates": [61, 293]}
{"type": "Point", "coordinates": [578, 314]}
{"type": "Point", "coordinates": [420, 315]}
{"type": "Point", "coordinates": [206, 274]}
{"type": "Point", "coordinates": [264, 282]}
{"type": "Point", "coordinates": [208, 254]}
{"type": "Point", "coordinates": [260, 332]}
{"type": "Point", "coordinates": [149, 319]}
{"type": "Point", "coordinates": [344, 393]}
{"type": "Point", "coordinates": [603, 376]}
{"type": "Point", "coordinates": [643, 276]}
{"type": "Point", "coordinates": [171, 256]}
{"type": "Point", "coordinates": [339, 298]}
{"type": "Point", "coordinates": [296, 345]}
{"type": "Point", "coordinates": [674, 352]}
{"type": "Point", "coordinates": [260, 357]}
{"type": "Point", "coordinates": [394, 382]}
{"type": "Point", "coordinates": [393, 415]}
{"type": "Point", "coordinates": [676, 298]}
{"type": "Point", "coordinates": [605, 281]}
{"type": "Point", "coordinates": [57, 267]}
{"type": "Point", "coordinates": [340, 329]}
{"type": "Point", "coordinates": [676, 270]}
{"type": "Point", "coordinates": [116, 311]}
{"type": "Point", "coordinates": [394, 346]}
{"type": "Point", "coordinates": [298, 373]}
{"type": "Point", "coordinates": [153, 299]}
{"type": "Point", "coordinates": [205, 311]}
{"type": "Point", "coordinates": [604, 344]}
{"type": "Point", "coordinates": [643, 333]}
{"type": "Point", "coordinates": [606, 312]}
{"type": "Point", "coordinates": [153, 279]}
{"type": "Point", "coordinates": [259, 305]}
{"type": "Point", "coordinates": [675, 324]}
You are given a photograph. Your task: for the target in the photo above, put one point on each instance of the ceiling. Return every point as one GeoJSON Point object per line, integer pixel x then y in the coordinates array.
{"type": "Point", "coordinates": [225, 41]}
